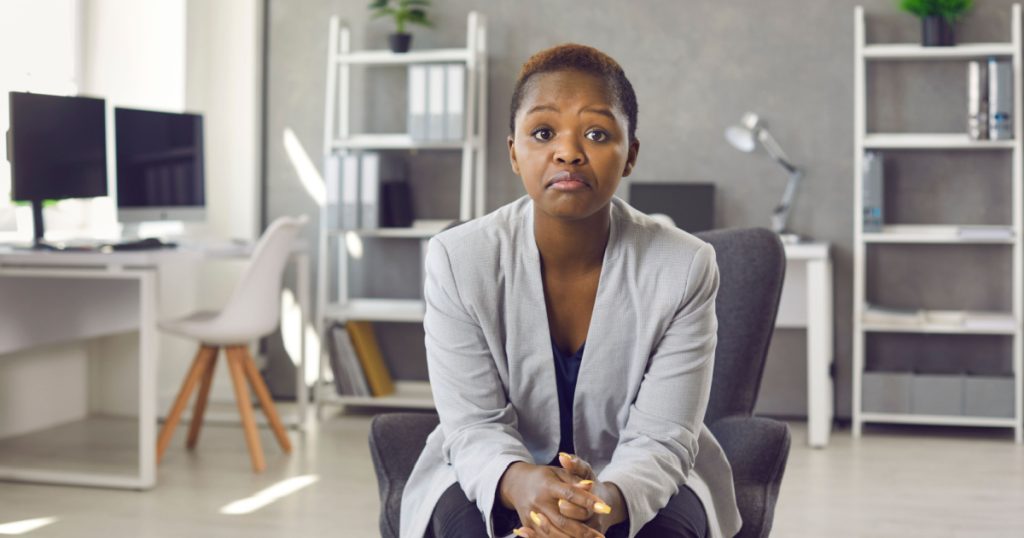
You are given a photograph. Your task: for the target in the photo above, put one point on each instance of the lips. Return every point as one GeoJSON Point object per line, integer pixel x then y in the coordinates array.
{"type": "Point", "coordinates": [567, 178]}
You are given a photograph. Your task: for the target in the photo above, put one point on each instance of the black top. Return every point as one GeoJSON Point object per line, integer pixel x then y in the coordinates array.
{"type": "Point", "coordinates": [567, 370]}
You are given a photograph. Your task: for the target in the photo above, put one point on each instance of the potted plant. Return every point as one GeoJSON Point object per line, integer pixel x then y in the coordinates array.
{"type": "Point", "coordinates": [404, 12]}
{"type": "Point", "coordinates": [937, 18]}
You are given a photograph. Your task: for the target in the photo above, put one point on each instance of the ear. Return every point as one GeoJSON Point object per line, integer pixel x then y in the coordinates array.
{"type": "Point", "coordinates": [634, 150]}
{"type": "Point", "coordinates": [512, 154]}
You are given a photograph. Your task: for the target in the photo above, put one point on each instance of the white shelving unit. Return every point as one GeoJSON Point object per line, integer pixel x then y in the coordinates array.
{"type": "Point", "coordinates": [1011, 234]}
{"type": "Point", "coordinates": [339, 139]}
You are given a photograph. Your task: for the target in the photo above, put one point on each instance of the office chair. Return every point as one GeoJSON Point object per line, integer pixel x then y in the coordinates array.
{"type": "Point", "coordinates": [751, 263]}
{"type": "Point", "coordinates": [252, 312]}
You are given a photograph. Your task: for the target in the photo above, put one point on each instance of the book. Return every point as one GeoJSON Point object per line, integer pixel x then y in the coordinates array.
{"type": "Point", "coordinates": [348, 374]}
{"type": "Point", "coordinates": [893, 316]}
{"type": "Point", "coordinates": [417, 119]}
{"type": "Point", "coordinates": [369, 191]}
{"type": "Point", "coordinates": [977, 100]}
{"type": "Point", "coordinates": [436, 102]}
{"type": "Point", "coordinates": [873, 193]}
{"type": "Point", "coordinates": [1000, 99]}
{"type": "Point", "coordinates": [349, 179]}
{"type": "Point", "coordinates": [990, 320]}
{"type": "Point", "coordinates": [985, 232]}
{"type": "Point", "coordinates": [396, 204]}
{"type": "Point", "coordinates": [456, 94]}
{"type": "Point", "coordinates": [365, 343]}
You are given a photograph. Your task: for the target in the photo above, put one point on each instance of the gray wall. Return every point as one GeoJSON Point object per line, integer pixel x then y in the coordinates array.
{"type": "Point", "coordinates": [697, 66]}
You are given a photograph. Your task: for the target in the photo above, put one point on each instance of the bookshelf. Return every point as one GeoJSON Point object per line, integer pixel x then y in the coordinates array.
{"type": "Point", "coordinates": [904, 387]}
{"type": "Point", "coordinates": [339, 307]}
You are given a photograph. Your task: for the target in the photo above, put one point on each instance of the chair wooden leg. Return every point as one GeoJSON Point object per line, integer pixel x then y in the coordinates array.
{"type": "Point", "coordinates": [199, 364]}
{"type": "Point", "coordinates": [266, 402]}
{"type": "Point", "coordinates": [236, 361]}
{"type": "Point", "coordinates": [199, 409]}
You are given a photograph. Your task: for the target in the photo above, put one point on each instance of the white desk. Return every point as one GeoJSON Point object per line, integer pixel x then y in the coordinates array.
{"type": "Point", "coordinates": [806, 303]}
{"type": "Point", "coordinates": [51, 297]}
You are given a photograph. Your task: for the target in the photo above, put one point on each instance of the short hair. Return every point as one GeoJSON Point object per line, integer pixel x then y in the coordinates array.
{"type": "Point", "coordinates": [574, 57]}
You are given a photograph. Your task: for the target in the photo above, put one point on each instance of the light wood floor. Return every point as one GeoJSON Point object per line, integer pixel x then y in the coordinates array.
{"type": "Point", "coordinates": [892, 482]}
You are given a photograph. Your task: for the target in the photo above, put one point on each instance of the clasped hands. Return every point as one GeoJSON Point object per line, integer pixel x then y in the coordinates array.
{"type": "Point", "coordinates": [562, 503]}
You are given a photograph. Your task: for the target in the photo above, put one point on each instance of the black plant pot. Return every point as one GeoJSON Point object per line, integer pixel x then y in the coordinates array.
{"type": "Point", "coordinates": [399, 42]}
{"type": "Point", "coordinates": [936, 31]}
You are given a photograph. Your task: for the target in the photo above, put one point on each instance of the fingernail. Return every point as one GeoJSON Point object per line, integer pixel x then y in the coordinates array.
{"type": "Point", "coordinates": [561, 502]}
{"type": "Point", "coordinates": [585, 482]}
{"type": "Point", "coordinates": [602, 508]}
{"type": "Point", "coordinates": [518, 532]}
{"type": "Point", "coordinates": [567, 455]}
{"type": "Point", "coordinates": [535, 518]}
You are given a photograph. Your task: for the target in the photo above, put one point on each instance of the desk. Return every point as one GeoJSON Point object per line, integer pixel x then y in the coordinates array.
{"type": "Point", "coordinates": [103, 294]}
{"type": "Point", "coordinates": [806, 303]}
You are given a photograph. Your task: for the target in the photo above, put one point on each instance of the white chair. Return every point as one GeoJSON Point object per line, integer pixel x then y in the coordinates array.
{"type": "Point", "coordinates": [252, 312]}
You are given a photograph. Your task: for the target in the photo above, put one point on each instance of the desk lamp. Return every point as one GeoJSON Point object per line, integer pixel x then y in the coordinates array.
{"type": "Point", "coordinates": [745, 137]}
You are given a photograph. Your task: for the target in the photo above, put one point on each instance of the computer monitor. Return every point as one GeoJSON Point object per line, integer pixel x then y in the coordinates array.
{"type": "Point", "coordinates": [159, 166]}
{"type": "Point", "coordinates": [57, 149]}
{"type": "Point", "coordinates": [690, 205]}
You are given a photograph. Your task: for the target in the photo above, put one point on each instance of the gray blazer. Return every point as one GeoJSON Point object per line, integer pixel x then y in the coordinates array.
{"type": "Point", "coordinates": [643, 385]}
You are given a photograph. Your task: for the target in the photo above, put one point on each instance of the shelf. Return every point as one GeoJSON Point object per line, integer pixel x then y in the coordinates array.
{"type": "Point", "coordinates": [386, 57]}
{"type": "Point", "coordinates": [420, 229]}
{"type": "Point", "coordinates": [912, 233]}
{"type": "Point", "coordinates": [395, 141]}
{"type": "Point", "coordinates": [408, 395]}
{"type": "Point", "coordinates": [395, 310]}
{"type": "Point", "coordinates": [932, 141]}
{"type": "Point", "coordinates": [939, 420]}
{"type": "Point", "coordinates": [906, 51]}
{"type": "Point", "coordinates": [938, 321]}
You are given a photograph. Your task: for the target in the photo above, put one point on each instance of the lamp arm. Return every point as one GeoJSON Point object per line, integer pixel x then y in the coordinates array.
{"type": "Point", "coordinates": [780, 217]}
{"type": "Point", "coordinates": [773, 149]}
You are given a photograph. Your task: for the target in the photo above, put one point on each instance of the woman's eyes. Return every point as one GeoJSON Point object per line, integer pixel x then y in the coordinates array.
{"type": "Point", "coordinates": [544, 134]}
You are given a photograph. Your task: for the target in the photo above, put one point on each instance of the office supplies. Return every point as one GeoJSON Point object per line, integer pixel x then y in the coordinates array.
{"type": "Point", "coordinates": [977, 100]}
{"type": "Point", "coordinates": [1000, 99]}
{"type": "Point", "coordinates": [369, 191]}
{"type": "Point", "coordinates": [57, 149]}
{"type": "Point", "coordinates": [456, 96]}
{"type": "Point", "coordinates": [418, 102]}
{"type": "Point", "coordinates": [159, 166]}
{"type": "Point", "coordinates": [436, 101]}
{"type": "Point", "coordinates": [874, 192]}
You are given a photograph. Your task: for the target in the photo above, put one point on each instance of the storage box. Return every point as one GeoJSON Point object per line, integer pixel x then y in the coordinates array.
{"type": "Point", "coordinates": [988, 396]}
{"type": "Point", "coordinates": [886, 392]}
{"type": "Point", "coordinates": [937, 394]}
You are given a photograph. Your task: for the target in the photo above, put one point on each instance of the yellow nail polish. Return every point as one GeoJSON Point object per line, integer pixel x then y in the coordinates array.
{"type": "Point", "coordinates": [535, 518]}
{"type": "Point", "coordinates": [585, 482]}
{"type": "Point", "coordinates": [602, 508]}
{"type": "Point", "coordinates": [518, 532]}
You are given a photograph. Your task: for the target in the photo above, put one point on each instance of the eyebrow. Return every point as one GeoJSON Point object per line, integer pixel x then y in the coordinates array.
{"type": "Point", "coordinates": [552, 108]}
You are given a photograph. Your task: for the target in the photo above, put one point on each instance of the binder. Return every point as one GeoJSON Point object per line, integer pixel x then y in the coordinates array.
{"type": "Point", "coordinates": [369, 191]}
{"type": "Point", "coordinates": [365, 344]}
{"type": "Point", "coordinates": [396, 204]}
{"type": "Point", "coordinates": [436, 102]}
{"type": "Point", "coordinates": [349, 191]}
{"type": "Point", "coordinates": [977, 100]}
{"type": "Point", "coordinates": [417, 120]}
{"type": "Point", "coordinates": [873, 193]}
{"type": "Point", "coordinates": [456, 90]}
{"type": "Point", "coordinates": [348, 374]}
{"type": "Point", "coordinates": [332, 181]}
{"type": "Point", "coordinates": [1000, 99]}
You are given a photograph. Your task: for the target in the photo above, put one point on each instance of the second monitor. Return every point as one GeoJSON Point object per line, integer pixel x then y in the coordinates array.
{"type": "Point", "coordinates": [159, 166]}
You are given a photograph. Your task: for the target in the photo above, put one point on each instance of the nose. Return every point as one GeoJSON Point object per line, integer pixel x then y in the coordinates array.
{"type": "Point", "coordinates": [569, 151]}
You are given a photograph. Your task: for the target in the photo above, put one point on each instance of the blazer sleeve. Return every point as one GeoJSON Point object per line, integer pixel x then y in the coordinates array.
{"type": "Point", "coordinates": [481, 438]}
{"type": "Point", "coordinates": [657, 448]}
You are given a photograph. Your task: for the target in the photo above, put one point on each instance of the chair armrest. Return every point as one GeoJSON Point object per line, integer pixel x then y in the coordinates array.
{"type": "Point", "coordinates": [757, 448]}
{"type": "Point", "coordinates": [396, 441]}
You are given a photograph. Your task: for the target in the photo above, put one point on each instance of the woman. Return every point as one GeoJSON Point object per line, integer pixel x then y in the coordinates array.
{"type": "Point", "coordinates": [514, 298]}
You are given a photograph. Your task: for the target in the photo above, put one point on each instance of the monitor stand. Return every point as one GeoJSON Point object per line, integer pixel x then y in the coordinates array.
{"type": "Point", "coordinates": [37, 228]}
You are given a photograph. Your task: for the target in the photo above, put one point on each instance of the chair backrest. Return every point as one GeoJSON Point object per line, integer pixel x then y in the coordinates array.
{"type": "Point", "coordinates": [256, 299]}
{"type": "Point", "coordinates": [752, 265]}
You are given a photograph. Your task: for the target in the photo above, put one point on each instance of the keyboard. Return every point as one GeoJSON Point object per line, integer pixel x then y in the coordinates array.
{"type": "Point", "coordinates": [150, 243]}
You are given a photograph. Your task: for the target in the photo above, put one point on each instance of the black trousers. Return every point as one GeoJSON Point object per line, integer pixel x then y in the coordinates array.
{"type": "Point", "coordinates": [455, 516]}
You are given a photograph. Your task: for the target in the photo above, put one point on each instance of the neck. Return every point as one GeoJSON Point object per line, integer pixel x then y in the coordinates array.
{"type": "Point", "coordinates": [572, 245]}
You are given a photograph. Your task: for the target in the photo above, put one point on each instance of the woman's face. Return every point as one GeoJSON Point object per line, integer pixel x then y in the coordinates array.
{"type": "Point", "coordinates": [571, 145]}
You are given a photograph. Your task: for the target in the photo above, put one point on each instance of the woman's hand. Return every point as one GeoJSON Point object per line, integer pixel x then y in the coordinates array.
{"type": "Point", "coordinates": [534, 492]}
{"type": "Point", "coordinates": [610, 514]}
